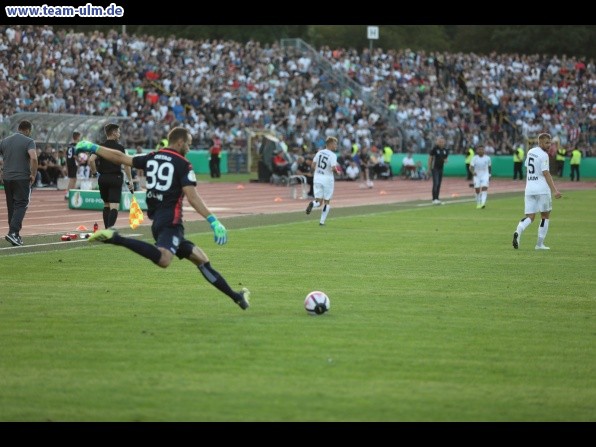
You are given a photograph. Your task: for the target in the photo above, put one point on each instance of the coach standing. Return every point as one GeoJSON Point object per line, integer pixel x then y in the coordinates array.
{"type": "Point", "coordinates": [436, 160]}
{"type": "Point", "coordinates": [20, 169]}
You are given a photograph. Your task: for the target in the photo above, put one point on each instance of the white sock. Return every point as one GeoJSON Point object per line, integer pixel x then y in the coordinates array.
{"type": "Point", "coordinates": [316, 204]}
{"type": "Point", "coordinates": [477, 199]}
{"type": "Point", "coordinates": [542, 230]}
{"type": "Point", "coordinates": [483, 195]}
{"type": "Point", "coordinates": [523, 224]}
{"type": "Point", "coordinates": [324, 213]}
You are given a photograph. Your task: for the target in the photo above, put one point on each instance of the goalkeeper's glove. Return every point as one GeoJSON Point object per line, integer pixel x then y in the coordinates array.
{"type": "Point", "coordinates": [86, 146]}
{"type": "Point", "coordinates": [220, 234]}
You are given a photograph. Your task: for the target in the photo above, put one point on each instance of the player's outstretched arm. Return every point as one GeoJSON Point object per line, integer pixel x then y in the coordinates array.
{"type": "Point", "coordinates": [220, 234]}
{"type": "Point", "coordinates": [112, 155]}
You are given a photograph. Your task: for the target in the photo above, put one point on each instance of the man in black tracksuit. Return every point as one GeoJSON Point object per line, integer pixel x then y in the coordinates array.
{"type": "Point", "coordinates": [436, 160]}
{"type": "Point", "coordinates": [110, 176]}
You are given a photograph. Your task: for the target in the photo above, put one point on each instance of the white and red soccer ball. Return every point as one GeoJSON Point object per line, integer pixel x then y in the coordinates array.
{"type": "Point", "coordinates": [317, 303]}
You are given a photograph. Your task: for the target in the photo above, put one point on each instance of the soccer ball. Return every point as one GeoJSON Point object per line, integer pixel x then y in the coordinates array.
{"type": "Point", "coordinates": [317, 303]}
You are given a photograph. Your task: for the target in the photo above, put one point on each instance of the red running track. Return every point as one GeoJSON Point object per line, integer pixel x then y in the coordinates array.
{"type": "Point", "coordinates": [48, 212]}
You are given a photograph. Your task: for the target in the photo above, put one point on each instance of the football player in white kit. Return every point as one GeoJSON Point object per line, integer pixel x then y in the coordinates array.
{"type": "Point", "coordinates": [481, 167]}
{"type": "Point", "coordinates": [539, 186]}
{"type": "Point", "coordinates": [324, 166]}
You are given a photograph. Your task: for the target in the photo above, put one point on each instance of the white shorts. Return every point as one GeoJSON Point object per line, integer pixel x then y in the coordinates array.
{"type": "Point", "coordinates": [323, 190]}
{"type": "Point", "coordinates": [481, 181]}
{"type": "Point", "coordinates": [538, 203]}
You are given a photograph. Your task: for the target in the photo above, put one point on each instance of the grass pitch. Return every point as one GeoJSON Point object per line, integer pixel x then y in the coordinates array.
{"type": "Point", "coordinates": [434, 317]}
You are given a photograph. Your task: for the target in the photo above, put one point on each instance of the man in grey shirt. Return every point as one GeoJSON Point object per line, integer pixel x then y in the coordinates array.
{"type": "Point", "coordinates": [20, 169]}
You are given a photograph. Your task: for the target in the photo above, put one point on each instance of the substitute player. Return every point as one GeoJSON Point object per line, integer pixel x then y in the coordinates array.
{"type": "Point", "coordinates": [481, 169]}
{"type": "Point", "coordinates": [539, 186]}
{"type": "Point", "coordinates": [170, 178]}
{"type": "Point", "coordinates": [324, 165]}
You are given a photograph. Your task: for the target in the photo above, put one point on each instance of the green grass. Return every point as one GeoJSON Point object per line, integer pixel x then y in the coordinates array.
{"type": "Point", "coordinates": [434, 317]}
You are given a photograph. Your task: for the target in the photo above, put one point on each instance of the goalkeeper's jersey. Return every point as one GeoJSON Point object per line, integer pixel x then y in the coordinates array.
{"type": "Point", "coordinates": [167, 173]}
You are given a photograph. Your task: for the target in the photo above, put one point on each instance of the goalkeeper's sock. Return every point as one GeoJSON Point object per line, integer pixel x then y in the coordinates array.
{"type": "Point", "coordinates": [326, 210]}
{"type": "Point", "coordinates": [217, 280]}
{"type": "Point", "coordinates": [145, 249]}
{"type": "Point", "coordinates": [523, 224]}
{"type": "Point", "coordinates": [112, 217]}
{"type": "Point", "coordinates": [106, 217]}
{"type": "Point", "coordinates": [542, 230]}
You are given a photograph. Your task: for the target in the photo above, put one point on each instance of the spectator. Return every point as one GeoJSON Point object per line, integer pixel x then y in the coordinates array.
{"type": "Point", "coordinates": [214, 158]}
{"type": "Point", "coordinates": [48, 166]}
{"type": "Point", "coordinates": [305, 169]}
{"type": "Point", "coordinates": [61, 163]}
{"type": "Point", "coordinates": [421, 173]}
{"type": "Point", "coordinates": [509, 96]}
{"type": "Point", "coordinates": [281, 166]}
{"type": "Point", "coordinates": [365, 166]}
{"type": "Point", "coordinates": [408, 165]}
{"type": "Point", "coordinates": [352, 171]}
{"type": "Point", "coordinates": [378, 168]}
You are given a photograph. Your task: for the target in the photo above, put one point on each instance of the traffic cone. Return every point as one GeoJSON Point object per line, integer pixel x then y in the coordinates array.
{"type": "Point", "coordinates": [383, 192]}
{"type": "Point", "coordinates": [82, 228]}
{"type": "Point", "coordinates": [278, 199]}
{"type": "Point", "coordinates": [240, 187]}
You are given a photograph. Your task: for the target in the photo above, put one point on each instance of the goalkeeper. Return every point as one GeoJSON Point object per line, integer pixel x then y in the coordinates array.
{"type": "Point", "coordinates": [170, 177]}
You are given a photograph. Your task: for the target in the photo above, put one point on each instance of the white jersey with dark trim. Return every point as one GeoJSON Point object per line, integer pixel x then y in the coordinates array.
{"type": "Point", "coordinates": [325, 161]}
{"type": "Point", "coordinates": [536, 163]}
{"type": "Point", "coordinates": [480, 164]}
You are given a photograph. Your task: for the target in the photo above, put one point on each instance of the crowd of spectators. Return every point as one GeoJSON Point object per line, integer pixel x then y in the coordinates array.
{"type": "Point", "coordinates": [219, 89]}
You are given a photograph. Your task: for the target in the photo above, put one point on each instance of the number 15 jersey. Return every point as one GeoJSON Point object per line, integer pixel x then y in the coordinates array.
{"type": "Point", "coordinates": [325, 161]}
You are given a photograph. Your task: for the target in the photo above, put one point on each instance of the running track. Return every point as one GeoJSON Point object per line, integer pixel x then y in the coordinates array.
{"type": "Point", "coordinates": [48, 212]}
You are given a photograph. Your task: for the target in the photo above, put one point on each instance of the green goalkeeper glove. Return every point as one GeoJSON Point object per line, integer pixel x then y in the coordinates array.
{"type": "Point", "coordinates": [86, 146]}
{"type": "Point", "coordinates": [220, 234]}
